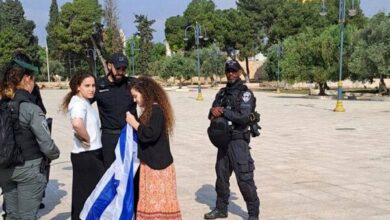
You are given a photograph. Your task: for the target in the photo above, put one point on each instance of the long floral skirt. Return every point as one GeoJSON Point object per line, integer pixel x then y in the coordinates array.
{"type": "Point", "coordinates": [157, 194]}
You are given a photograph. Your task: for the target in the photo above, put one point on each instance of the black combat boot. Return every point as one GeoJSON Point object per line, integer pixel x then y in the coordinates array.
{"type": "Point", "coordinates": [215, 214]}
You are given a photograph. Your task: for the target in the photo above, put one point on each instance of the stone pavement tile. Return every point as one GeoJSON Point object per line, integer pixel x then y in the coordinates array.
{"type": "Point", "coordinates": [296, 217]}
{"type": "Point", "coordinates": [380, 217]}
{"type": "Point", "coordinates": [317, 195]}
{"type": "Point", "coordinates": [348, 213]}
{"type": "Point", "coordinates": [384, 185]}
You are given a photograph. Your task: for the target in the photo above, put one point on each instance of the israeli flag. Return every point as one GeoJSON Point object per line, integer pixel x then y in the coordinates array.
{"type": "Point", "coordinates": [113, 197]}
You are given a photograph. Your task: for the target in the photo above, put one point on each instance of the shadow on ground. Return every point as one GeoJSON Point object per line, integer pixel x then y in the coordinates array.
{"type": "Point", "coordinates": [206, 195]}
{"type": "Point", "coordinates": [53, 197]}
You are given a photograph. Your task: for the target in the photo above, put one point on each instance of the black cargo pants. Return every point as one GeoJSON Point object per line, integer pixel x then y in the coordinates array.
{"type": "Point", "coordinates": [236, 157]}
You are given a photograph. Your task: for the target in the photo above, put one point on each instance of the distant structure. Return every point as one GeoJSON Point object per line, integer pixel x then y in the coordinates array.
{"type": "Point", "coordinates": [168, 51]}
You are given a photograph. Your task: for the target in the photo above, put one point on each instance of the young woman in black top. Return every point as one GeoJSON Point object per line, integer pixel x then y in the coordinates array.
{"type": "Point", "coordinates": [157, 186]}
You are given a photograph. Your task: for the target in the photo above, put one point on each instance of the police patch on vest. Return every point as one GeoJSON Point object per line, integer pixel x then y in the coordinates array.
{"type": "Point", "coordinates": [246, 96]}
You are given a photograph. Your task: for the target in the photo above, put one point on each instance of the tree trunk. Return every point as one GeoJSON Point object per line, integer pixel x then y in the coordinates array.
{"type": "Point", "coordinates": [247, 74]}
{"type": "Point", "coordinates": [180, 82]}
{"type": "Point", "coordinates": [382, 86]}
{"type": "Point", "coordinates": [102, 60]}
{"type": "Point", "coordinates": [322, 87]}
{"type": "Point", "coordinates": [213, 80]}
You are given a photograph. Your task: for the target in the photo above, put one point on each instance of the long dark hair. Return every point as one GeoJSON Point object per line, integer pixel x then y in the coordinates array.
{"type": "Point", "coordinates": [152, 93]}
{"type": "Point", "coordinates": [74, 83]}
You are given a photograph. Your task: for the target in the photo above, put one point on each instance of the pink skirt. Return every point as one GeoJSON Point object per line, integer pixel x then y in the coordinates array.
{"type": "Point", "coordinates": [157, 194]}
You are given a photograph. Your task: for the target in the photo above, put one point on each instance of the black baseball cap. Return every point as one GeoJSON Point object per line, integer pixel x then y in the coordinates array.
{"type": "Point", "coordinates": [119, 60]}
{"type": "Point", "coordinates": [232, 65]}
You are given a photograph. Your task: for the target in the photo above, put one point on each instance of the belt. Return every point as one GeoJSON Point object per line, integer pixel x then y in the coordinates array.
{"type": "Point", "coordinates": [111, 131]}
{"type": "Point", "coordinates": [240, 135]}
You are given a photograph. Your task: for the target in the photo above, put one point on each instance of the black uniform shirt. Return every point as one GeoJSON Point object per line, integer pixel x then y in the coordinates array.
{"type": "Point", "coordinates": [113, 102]}
{"type": "Point", "coordinates": [238, 102]}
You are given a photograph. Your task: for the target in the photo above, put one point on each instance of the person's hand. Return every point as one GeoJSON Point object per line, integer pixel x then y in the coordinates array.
{"type": "Point", "coordinates": [216, 112]}
{"type": "Point", "coordinates": [131, 120]}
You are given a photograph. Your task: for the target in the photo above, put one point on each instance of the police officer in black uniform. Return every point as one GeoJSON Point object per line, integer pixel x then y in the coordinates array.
{"type": "Point", "coordinates": [234, 105]}
{"type": "Point", "coordinates": [114, 100]}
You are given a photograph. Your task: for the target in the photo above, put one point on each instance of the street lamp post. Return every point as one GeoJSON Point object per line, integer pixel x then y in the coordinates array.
{"type": "Point", "coordinates": [279, 51]}
{"type": "Point", "coordinates": [47, 61]}
{"type": "Point", "coordinates": [93, 51]}
{"type": "Point", "coordinates": [132, 53]}
{"type": "Point", "coordinates": [352, 12]}
{"type": "Point", "coordinates": [198, 36]}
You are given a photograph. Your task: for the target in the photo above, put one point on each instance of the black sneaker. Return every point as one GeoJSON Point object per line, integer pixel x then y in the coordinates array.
{"type": "Point", "coordinates": [215, 214]}
{"type": "Point", "coordinates": [253, 218]}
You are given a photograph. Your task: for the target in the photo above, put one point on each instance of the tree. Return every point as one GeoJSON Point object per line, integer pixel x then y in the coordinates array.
{"type": "Point", "coordinates": [16, 32]}
{"type": "Point", "coordinates": [317, 59]}
{"type": "Point", "coordinates": [174, 32]}
{"type": "Point", "coordinates": [51, 41]}
{"type": "Point", "coordinates": [371, 52]}
{"type": "Point", "coordinates": [158, 51]}
{"type": "Point", "coordinates": [132, 51]}
{"type": "Point", "coordinates": [75, 28]}
{"type": "Point", "coordinates": [145, 32]}
{"type": "Point", "coordinates": [177, 66]}
{"type": "Point", "coordinates": [7, 46]}
{"type": "Point", "coordinates": [201, 11]}
{"type": "Point", "coordinates": [113, 42]}
{"type": "Point", "coordinates": [212, 63]}
{"type": "Point", "coordinates": [261, 13]}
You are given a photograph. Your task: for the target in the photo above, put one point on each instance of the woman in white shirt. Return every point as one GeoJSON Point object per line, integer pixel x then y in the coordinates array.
{"type": "Point", "coordinates": [86, 156]}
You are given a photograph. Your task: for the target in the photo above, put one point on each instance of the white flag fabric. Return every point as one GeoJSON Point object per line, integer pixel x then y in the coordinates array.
{"type": "Point", "coordinates": [113, 196]}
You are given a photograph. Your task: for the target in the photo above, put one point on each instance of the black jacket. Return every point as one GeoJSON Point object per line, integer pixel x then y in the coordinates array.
{"type": "Point", "coordinates": [154, 149]}
{"type": "Point", "coordinates": [238, 102]}
{"type": "Point", "coordinates": [113, 101]}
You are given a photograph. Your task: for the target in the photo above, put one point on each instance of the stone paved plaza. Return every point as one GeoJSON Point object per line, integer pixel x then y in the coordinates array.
{"type": "Point", "coordinates": [311, 163]}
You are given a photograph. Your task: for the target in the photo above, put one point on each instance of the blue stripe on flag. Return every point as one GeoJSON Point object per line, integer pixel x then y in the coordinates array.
{"type": "Point", "coordinates": [128, 201]}
{"type": "Point", "coordinates": [103, 200]}
{"type": "Point", "coordinates": [122, 143]}
{"type": "Point", "coordinates": [135, 137]}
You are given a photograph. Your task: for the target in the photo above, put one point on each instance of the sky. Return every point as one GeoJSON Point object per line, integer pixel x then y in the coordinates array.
{"type": "Point", "coordinates": [158, 10]}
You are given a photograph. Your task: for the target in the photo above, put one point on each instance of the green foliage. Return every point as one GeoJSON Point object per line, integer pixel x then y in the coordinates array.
{"type": "Point", "coordinates": [371, 51]}
{"type": "Point", "coordinates": [174, 32]}
{"type": "Point", "coordinates": [112, 41]}
{"type": "Point", "coordinates": [75, 26]}
{"type": "Point", "coordinates": [145, 32]}
{"type": "Point", "coordinates": [176, 66]}
{"type": "Point", "coordinates": [314, 58]}
{"type": "Point", "coordinates": [201, 11]}
{"type": "Point", "coordinates": [180, 67]}
{"type": "Point", "coordinates": [132, 51]}
{"type": "Point", "coordinates": [8, 46]}
{"type": "Point", "coordinates": [73, 34]}
{"type": "Point", "coordinates": [158, 51]}
{"type": "Point", "coordinates": [15, 32]}
{"type": "Point", "coordinates": [262, 14]}
{"type": "Point", "coordinates": [51, 41]}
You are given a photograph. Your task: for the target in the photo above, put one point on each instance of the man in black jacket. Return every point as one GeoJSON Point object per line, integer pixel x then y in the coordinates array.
{"type": "Point", "coordinates": [234, 104]}
{"type": "Point", "coordinates": [114, 100]}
